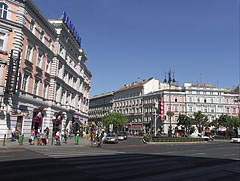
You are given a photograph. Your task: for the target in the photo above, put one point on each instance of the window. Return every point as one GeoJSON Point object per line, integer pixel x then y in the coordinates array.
{"type": "Point", "coordinates": [39, 59]}
{"type": "Point", "coordinates": [182, 108]}
{"type": "Point", "coordinates": [47, 69]}
{"type": "Point", "coordinates": [29, 53]}
{"type": "Point", "coordinates": [219, 100]}
{"type": "Point", "coordinates": [2, 38]}
{"type": "Point", "coordinates": [35, 87]}
{"type": "Point", "coordinates": [175, 99]}
{"type": "Point", "coordinates": [25, 82]}
{"type": "Point", "coordinates": [234, 110]}
{"type": "Point", "coordinates": [226, 101]}
{"type": "Point", "coordinates": [228, 110]}
{"type": "Point", "coordinates": [3, 10]}
{"type": "Point", "coordinates": [169, 108]}
{"type": "Point", "coordinates": [190, 99]}
{"type": "Point", "coordinates": [45, 89]}
{"type": "Point", "coordinates": [190, 109]}
{"type": "Point", "coordinates": [176, 108]}
{"type": "Point", "coordinates": [205, 109]}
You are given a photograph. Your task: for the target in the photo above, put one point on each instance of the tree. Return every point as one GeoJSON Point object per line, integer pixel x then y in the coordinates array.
{"type": "Point", "coordinates": [200, 121]}
{"type": "Point", "coordinates": [186, 122]}
{"type": "Point", "coordinates": [117, 119]}
{"type": "Point", "coordinates": [235, 124]}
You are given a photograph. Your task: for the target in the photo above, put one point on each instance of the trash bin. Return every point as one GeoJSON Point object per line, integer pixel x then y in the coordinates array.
{"type": "Point", "coordinates": [20, 139]}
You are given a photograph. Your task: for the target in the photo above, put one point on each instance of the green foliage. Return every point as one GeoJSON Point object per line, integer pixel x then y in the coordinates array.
{"type": "Point", "coordinates": [232, 124]}
{"type": "Point", "coordinates": [186, 122]}
{"type": "Point", "coordinates": [200, 120]}
{"type": "Point", "coordinates": [170, 113]}
{"type": "Point", "coordinates": [117, 119]}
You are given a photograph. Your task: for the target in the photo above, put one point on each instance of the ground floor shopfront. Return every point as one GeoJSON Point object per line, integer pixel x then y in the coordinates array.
{"type": "Point", "coordinates": [27, 114]}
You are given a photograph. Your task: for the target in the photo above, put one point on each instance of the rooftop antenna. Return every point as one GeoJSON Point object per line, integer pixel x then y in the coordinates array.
{"type": "Point", "coordinates": [201, 82]}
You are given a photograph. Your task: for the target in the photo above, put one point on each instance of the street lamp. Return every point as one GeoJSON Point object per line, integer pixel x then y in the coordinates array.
{"type": "Point", "coordinates": [171, 79]}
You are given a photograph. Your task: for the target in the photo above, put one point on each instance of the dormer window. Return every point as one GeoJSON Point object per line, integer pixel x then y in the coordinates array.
{"type": "Point", "coordinates": [3, 10]}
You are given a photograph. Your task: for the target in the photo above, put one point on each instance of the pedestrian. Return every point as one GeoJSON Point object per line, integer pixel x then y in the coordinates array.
{"type": "Point", "coordinates": [57, 138]}
{"type": "Point", "coordinates": [32, 137]}
{"type": "Point", "coordinates": [13, 135]}
{"type": "Point", "coordinates": [66, 136]}
{"type": "Point", "coordinates": [47, 135]}
{"type": "Point", "coordinates": [44, 138]}
{"type": "Point", "coordinates": [77, 137]}
{"type": "Point", "coordinates": [38, 136]}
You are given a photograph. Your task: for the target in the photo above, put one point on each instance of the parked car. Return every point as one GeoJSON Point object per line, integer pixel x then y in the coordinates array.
{"type": "Point", "coordinates": [111, 138]}
{"type": "Point", "coordinates": [120, 137]}
{"type": "Point", "coordinates": [235, 139]}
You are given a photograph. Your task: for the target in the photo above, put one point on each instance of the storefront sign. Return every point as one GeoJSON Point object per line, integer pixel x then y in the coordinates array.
{"type": "Point", "coordinates": [68, 22]}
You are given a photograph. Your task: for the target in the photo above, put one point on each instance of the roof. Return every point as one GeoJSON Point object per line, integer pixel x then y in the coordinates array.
{"type": "Point", "coordinates": [133, 85]}
{"type": "Point", "coordinates": [102, 95]}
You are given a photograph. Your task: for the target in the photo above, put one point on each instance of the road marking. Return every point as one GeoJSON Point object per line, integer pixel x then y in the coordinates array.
{"type": "Point", "coordinates": [230, 154]}
{"type": "Point", "coordinates": [199, 153]}
{"type": "Point", "coordinates": [7, 151]}
{"type": "Point", "coordinates": [6, 156]}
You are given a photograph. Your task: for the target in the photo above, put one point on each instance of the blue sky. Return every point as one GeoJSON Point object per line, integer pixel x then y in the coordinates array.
{"type": "Point", "coordinates": [130, 39]}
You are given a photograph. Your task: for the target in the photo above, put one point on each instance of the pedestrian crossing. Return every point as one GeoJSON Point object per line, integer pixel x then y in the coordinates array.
{"type": "Point", "coordinates": [59, 152]}
{"type": "Point", "coordinates": [88, 163]}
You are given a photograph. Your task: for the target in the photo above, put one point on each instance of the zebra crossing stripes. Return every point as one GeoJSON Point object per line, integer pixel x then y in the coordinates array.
{"type": "Point", "coordinates": [59, 152]}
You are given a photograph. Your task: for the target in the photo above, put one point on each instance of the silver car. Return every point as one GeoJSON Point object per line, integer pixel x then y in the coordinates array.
{"type": "Point", "coordinates": [111, 138]}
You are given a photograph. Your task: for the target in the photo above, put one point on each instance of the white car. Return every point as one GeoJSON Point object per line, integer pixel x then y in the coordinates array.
{"type": "Point", "coordinates": [235, 139]}
{"type": "Point", "coordinates": [120, 137]}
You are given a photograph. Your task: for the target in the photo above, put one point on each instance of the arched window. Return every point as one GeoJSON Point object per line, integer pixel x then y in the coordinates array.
{"type": "Point", "coordinates": [3, 10]}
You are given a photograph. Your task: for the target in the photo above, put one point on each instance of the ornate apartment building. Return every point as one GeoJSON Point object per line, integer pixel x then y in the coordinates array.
{"type": "Point", "coordinates": [127, 100]}
{"type": "Point", "coordinates": [100, 106]}
{"type": "Point", "coordinates": [44, 79]}
{"type": "Point", "coordinates": [144, 102]}
{"type": "Point", "coordinates": [188, 99]}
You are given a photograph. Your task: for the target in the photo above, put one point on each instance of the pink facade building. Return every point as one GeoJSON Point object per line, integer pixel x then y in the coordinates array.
{"type": "Point", "coordinates": [29, 51]}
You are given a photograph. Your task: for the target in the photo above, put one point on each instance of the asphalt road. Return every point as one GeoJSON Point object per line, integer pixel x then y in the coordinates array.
{"type": "Point", "coordinates": [127, 160]}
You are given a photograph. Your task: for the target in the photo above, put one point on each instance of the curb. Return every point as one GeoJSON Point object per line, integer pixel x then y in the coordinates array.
{"type": "Point", "coordinates": [165, 143]}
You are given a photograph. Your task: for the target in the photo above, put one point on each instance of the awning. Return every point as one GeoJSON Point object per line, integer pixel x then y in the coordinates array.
{"type": "Point", "coordinates": [135, 127]}
{"type": "Point", "coordinates": [80, 122]}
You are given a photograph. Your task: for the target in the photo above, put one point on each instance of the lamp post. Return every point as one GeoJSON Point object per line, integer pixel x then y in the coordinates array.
{"type": "Point", "coordinates": [170, 80]}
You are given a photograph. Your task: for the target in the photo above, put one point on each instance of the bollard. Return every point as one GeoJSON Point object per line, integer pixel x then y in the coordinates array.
{"type": "Point", "coordinates": [4, 140]}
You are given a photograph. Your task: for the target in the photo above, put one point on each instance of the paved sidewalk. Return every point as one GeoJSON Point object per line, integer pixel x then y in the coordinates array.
{"type": "Point", "coordinates": [70, 142]}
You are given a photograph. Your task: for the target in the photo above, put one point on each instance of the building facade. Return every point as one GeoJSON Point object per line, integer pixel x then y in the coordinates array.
{"type": "Point", "coordinates": [147, 108]}
{"type": "Point", "coordinates": [30, 58]}
{"type": "Point", "coordinates": [100, 106]}
{"type": "Point", "coordinates": [211, 101]}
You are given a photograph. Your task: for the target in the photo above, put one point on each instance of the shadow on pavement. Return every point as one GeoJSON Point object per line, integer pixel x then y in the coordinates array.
{"type": "Point", "coordinates": [121, 167]}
